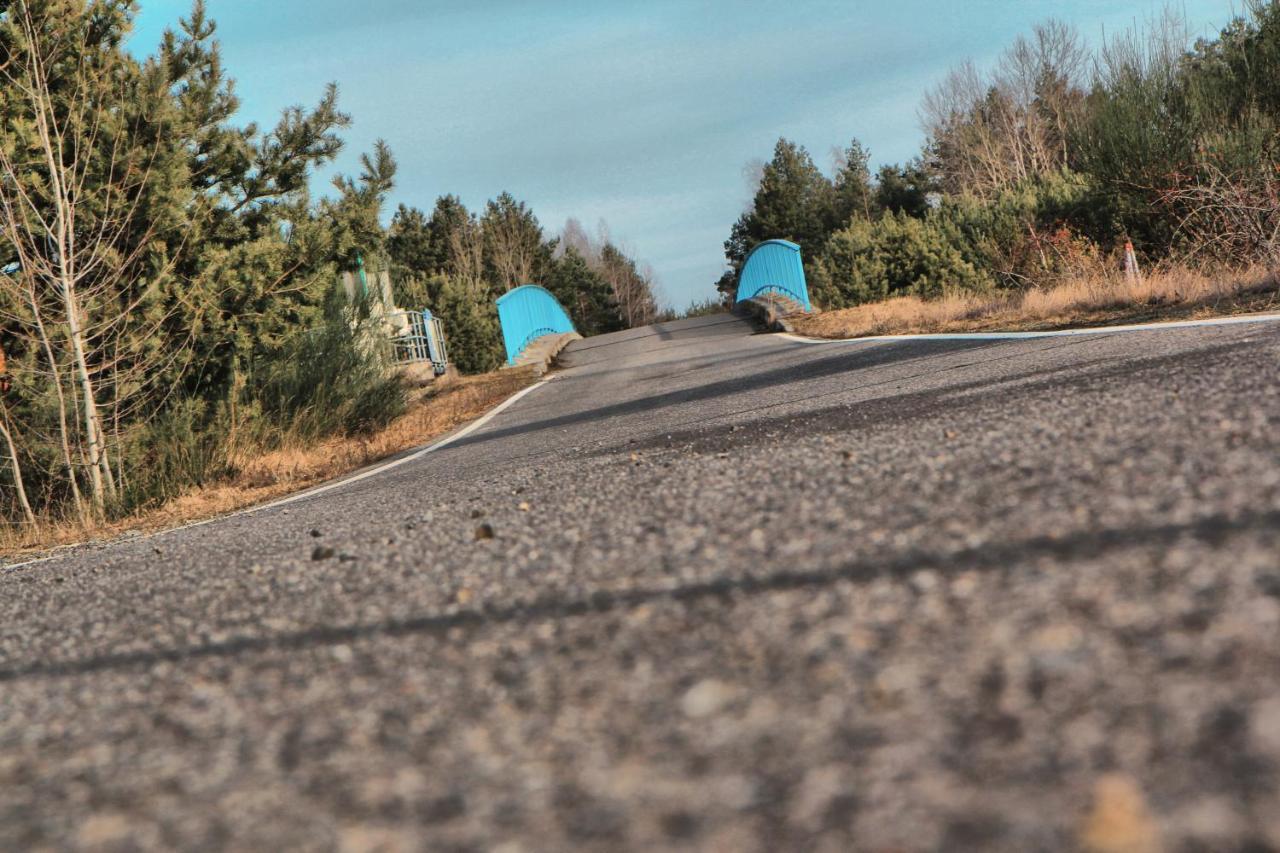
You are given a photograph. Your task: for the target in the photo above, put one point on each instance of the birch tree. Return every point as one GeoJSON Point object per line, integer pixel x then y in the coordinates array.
{"type": "Point", "coordinates": [152, 247]}
{"type": "Point", "coordinates": [75, 166]}
{"type": "Point", "coordinates": [989, 131]}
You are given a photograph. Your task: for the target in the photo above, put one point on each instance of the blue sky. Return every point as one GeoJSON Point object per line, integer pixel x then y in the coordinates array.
{"type": "Point", "coordinates": [640, 114]}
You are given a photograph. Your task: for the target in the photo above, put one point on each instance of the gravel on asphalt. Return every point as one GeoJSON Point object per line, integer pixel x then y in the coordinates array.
{"type": "Point", "coordinates": [706, 589]}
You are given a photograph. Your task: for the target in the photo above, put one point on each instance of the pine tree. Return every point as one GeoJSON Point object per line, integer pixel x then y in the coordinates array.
{"type": "Point", "coordinates": [196, 249]}
{"type": "Point", "coordinates": [449, 219]}
{"type": "Point", "coordinates": [409, 243]}
{"type": "Point", "coordinates": [852, 192]}
{"type": "Point", "coordinates": [357, 230]}
{"type": "Point", "coordinates": [905, 189]}
{"type": "Point", "coordinates": [794, 202]}
{"type": "Point", "coordinates": [261, 263]}
{"type": "Point", "coordinates": [515, 253]}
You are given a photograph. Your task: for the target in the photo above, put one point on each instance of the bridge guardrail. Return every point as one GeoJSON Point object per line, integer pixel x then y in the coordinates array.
{"type": "Point", "coordinates": [774, 266]}
{"type": "Point", "coordinates": [528, 312]}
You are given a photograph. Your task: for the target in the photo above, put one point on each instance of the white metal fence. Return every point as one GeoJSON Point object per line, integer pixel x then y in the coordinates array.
{"type": "Point", "coordinates": [417, 337]}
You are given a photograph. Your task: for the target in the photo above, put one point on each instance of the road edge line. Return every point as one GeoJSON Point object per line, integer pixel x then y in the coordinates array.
{"type": "Point", "coordinates": [1046, 333]}
{"type": "Point", "coordinates": [377, 468]}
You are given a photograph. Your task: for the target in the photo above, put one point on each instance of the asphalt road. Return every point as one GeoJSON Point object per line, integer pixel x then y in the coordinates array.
{"type": "Point", "coordinates": [742, 594]}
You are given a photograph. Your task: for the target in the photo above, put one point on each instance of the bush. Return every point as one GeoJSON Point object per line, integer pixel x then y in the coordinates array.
{"type": "Point", "coordinates": [332, 380]}
{"type": "Point", "coordinates": [335, 379]}
{"type": "Point", "coordinates": [896, 255]}
{"type": "Point", "coordinates": [1033, 233]}
{"type": "Point", "coordinates": [183, 447]}
{"type": "Point", "coordinates": [704, 308]}
{"type": "Point", "coordinates": [471, 327]}
{"type": "Point", "coordinates": [1027, 234]}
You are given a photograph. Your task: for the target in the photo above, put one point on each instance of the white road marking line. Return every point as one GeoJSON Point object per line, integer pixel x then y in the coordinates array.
{"type": "Point", "coordinates": [318, 490]}
{"type": "Point", "coordinates": [1056, 333]}
{"type": "Point", "coordinates": [395, 463]}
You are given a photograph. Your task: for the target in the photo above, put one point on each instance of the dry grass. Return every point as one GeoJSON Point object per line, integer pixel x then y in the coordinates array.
{"type": "Point", "coordinates": [1170, 294]}
{"type": "Point", "coordinates": [262, 477]}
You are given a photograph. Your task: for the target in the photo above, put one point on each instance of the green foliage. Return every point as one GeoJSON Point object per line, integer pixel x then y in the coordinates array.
{"type": "Point", "coordinates": [1164, 122]}
{"type": "Point", "coordinates": [440, 263]}
{"type": "Point", "coordinates": [1032, 171]}
{"type": "Point", "coordinates": [697, 308]}
{"type": "Point", "coordinates": [1233, 87]}
{"type": "Point", "coordinates": [585, 295]}
{"type": "Point", "coordinates": [514, 250]}
{"type": "Point", "coordinates": [326, 380]}
{"type": "Point", "coordinates": [414, 291]}
{"type": "Point", "coordinates": [1009, 237]}
{"type": "Point", "coordinates": [852, 193]}
{"type": "Point", "coordinates": [471, 325]}
{"type": "Point", "coordinates": [357, 233]}
{"type": "Point", "coordinates": [895, 255]}
{"type": "Point", "coordinates": [410, 244]}
{"type": "Point", "coordinates": [458, 264]}
{"type": "Point", "coordinates": [184, 446]}
{"type": "Point", "coordinates": [905, 189]}
{"type": "Point", "coordinates": [794, 202]}
{"type": "Point", "coordinates": [203, 259]}
{"type": "Point", "coordinates": [1137, 134]}
{"type": "Point", "coordinates": [704, 308]}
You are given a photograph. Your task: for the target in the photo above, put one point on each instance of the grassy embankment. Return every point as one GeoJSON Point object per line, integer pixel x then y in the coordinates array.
{"type": "Point", "coordinates": [1163, 295]}
{"type": "Point", "coordinates": [263, 476]}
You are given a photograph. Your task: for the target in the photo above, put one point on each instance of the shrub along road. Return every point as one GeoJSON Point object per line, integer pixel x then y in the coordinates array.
{"type": "Point", "coordinates": [705, 588]}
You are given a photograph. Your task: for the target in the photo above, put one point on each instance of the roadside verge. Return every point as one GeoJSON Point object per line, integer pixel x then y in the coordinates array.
{"type": "Point", "coordinates": [284, 477]}
{"type": "Point", "coordinates": [1242, 319]}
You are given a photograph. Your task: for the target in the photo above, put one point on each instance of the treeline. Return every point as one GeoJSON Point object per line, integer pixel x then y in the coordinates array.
{"type": "Point", "coordinates": [169, 296]}
{"type": "Point", "coordinates": [1043, 167]}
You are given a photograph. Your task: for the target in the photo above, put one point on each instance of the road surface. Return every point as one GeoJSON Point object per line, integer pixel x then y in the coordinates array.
{"type": "Point", "coordinates": [742, 593]}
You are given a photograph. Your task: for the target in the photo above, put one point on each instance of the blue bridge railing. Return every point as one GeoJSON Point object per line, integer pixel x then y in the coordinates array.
{"type": "Point", "coordinates": [774, 267]}
{"type": "Point", "coordinates": [527, 313]}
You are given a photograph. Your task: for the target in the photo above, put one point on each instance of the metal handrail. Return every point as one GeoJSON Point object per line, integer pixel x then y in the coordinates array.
{"type": "Point", "coordinates": [529, 312]}
{"type": "Point", "coordinates": [774, 266]}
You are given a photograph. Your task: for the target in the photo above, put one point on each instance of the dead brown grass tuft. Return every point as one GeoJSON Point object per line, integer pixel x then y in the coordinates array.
{"type": "Point", "coordinates": [1169, 294]}
{"type": "Point", "coordinates": [264, 476]}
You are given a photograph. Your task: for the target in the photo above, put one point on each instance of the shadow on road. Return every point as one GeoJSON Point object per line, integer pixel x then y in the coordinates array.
{"type": "Point", "coordinates": [1007, 557]}
{"type": "Point", "coordinates": [845, 361]}
{"type": "Point", "coordinates": [1004, 390]}
{"type": "Point", "coordinates": [731, 325]}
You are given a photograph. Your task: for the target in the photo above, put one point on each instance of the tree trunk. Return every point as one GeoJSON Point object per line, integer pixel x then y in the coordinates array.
{"type": "Point", "coordinates": [18, 486]}
{"type": "Point", "coordinates": [89, 406]}
{"type": "Point", "coordinates": [64, 432]}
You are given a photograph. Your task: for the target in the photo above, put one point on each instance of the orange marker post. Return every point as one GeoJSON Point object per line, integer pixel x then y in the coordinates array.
{"type": "Point", "coordinates": [1131, 272]}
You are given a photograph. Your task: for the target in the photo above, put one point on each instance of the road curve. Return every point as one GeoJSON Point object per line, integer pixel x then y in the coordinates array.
{"type": "Point", "coordinates": [742, 593]}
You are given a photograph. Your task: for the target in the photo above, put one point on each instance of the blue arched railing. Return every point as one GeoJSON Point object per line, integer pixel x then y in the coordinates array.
{"type": "Point", "coordinates": [528, 313]}
{"type": "Point", "coordinates": [774, 267]}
